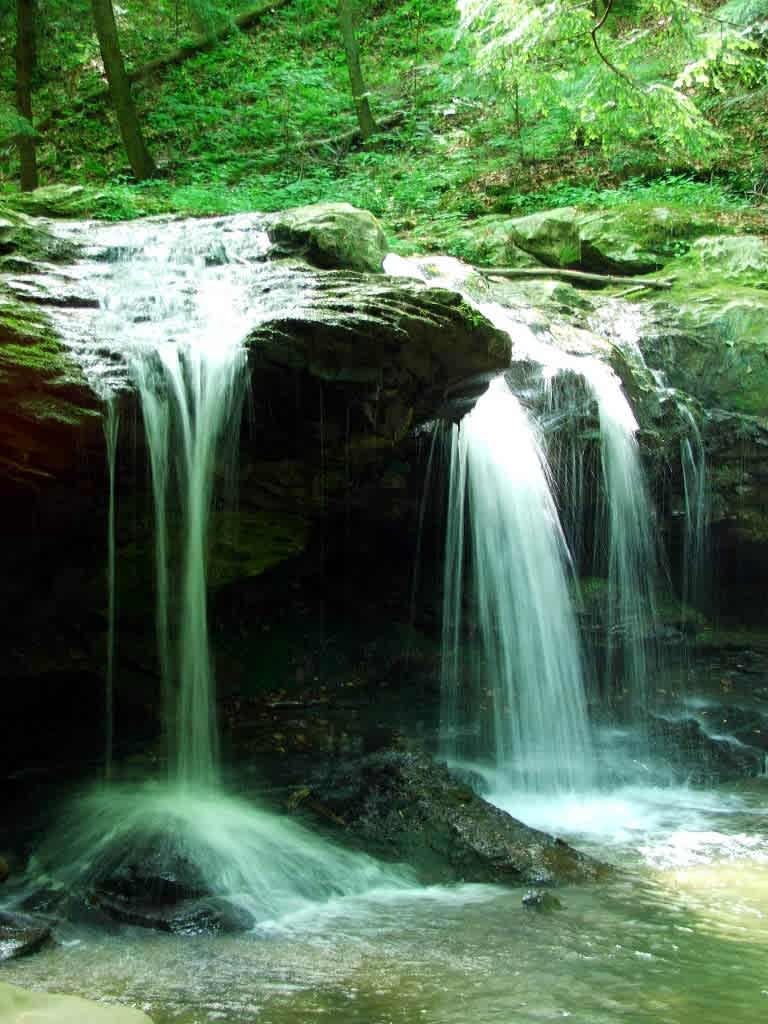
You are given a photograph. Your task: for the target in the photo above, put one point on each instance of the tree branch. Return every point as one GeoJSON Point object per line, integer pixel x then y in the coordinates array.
{"type": "Point", "coordinates": [600, 54]}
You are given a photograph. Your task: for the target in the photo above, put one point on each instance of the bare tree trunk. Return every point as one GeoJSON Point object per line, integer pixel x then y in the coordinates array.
{"type": "Point", "coordinates": [141, 162]}
{"type": "Point", "coordinates": [359, 92]}
{"type": "Point", "coordinates": [26, 58]}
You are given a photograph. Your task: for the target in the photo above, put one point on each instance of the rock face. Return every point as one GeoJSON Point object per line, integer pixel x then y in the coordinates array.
{"type": "Point", "coordinates": [331, 236]}
{"type": "Point", "coordinates": [402, 806]}
{"type": "Point", "coordinates": [16, 1004]}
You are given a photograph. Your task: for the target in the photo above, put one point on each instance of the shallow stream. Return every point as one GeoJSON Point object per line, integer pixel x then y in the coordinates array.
{"type": "Point", "coordinates": [679, 937]}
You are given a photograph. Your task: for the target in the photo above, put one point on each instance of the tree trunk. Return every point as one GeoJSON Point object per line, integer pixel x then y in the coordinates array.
{"type": "Point", "coordinates": [26, 58]}
{"type": "Point", "coordinates": [359, 92]}
{"type": "Point", "coordinates": [141, 162]}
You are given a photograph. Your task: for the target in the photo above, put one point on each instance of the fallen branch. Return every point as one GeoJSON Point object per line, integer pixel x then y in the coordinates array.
{"type": "Point", "coordinates": [353, 136]}
{"type": "Point", "coordinates": [573, 275]}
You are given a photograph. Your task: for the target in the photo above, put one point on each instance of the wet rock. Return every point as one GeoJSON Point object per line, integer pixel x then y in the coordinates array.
{"type": "Point", "coordinates": [21, 934]}
{"type": "Point", "coordinates": [16, 1004]}
{"type": "Point", "coordinates": [707, 746]}
{"type": "Point", "coordinates": [154, 886]}
{"type": "Point", "coordinates": [331, 235]}
{"type": "Point", "coordinates": [206, 916]}
{"type": "Point", "coordinates": [403, 806]}
{"type": "Point", "coordinates": [5, 870]}
{"type": "Point", "coordinates": [541, 900]}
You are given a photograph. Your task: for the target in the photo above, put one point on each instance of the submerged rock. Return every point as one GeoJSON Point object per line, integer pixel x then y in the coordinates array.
{"type": "Point", "coordinates": [536, 899]}
{"type": "Point", "coordinates": [21, 934]}
{"type": "Point", "coordinates": [403, 806]}
{"type": "Point", "coordinates": [332, 236]}
{"type": "Point", "coordinates": [16, 1004]}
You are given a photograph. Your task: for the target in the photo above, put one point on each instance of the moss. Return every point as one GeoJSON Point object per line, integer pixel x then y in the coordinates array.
{"type": "Point", "coordinates": [252, 541]}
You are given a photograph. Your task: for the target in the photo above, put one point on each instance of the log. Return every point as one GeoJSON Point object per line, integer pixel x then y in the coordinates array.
{"type": "Point", "coordinates": [574, 275]}
{"type": "Point", "coordinates": [353, 136]}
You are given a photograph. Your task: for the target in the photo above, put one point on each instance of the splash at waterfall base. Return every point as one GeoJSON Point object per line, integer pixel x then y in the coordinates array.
{"type": "Point", "coordinates": [329, 660]}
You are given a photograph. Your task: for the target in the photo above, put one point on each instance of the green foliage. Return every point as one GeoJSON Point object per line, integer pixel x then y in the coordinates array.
{"type": "Point", "coordinates": [609, 76]}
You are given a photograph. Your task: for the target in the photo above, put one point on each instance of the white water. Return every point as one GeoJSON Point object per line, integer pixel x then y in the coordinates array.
{"type": "Point", "coordinates": [627, 532]}
{"type": "Point", "coordinates": [182, 324]}
{"type": "Point", "coordinates": [177, 301]}
{"type": "Point", "coordinates": [530, 665]}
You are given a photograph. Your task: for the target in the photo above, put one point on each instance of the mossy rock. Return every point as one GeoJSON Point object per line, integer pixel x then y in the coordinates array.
{"type": "Point", "coordinates": [713, 344]}
{"type": "Point", "coordinates": [66, 202]}
{"type": "Point", "coordinates": [486, 241]}
{"type": "Point", "coordinates": [24, 238]}
{"type": "Point", "coordinates": [331, 236]}
{"type": "Point", "coordinates": [632, 239]}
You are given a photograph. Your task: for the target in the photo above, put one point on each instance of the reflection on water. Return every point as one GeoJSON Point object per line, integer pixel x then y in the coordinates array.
{"type": "Point", "coordinates": [680, 936]}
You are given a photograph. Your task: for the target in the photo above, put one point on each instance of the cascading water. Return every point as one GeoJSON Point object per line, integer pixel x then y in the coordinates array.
{"type": "Point", "coordinates": [176, 303]}
{"type": "Point", "coordinates": [624, 519]}
{"type": "Point", "coordinates": [187, 362]}
{"type": "Point", "coordinates": [502, 517]}
{"type": "Point", "coordinates": [632, 555]}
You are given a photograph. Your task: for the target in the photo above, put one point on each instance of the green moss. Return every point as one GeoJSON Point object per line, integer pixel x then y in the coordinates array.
{"type": "Point", "coordinates": [252, 541]}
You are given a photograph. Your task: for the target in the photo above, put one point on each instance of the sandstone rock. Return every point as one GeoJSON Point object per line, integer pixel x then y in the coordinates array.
{"type": "Point", "coordinates": [17, 1004]}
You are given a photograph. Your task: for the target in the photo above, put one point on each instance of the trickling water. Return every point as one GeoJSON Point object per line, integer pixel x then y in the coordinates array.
{"type": "Point", "coordinates": [531, 659]}
{"type": "Point", "coordinates": [693, 460]}
{"type": "Point", "coordinates": [111, 429]}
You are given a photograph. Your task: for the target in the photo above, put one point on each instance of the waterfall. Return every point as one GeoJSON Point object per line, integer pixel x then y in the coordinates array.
{"type": "Point", "coordinates": [632, 551]}
{"type": "Point", "coordinates": [508, 557]}
{"type": "Point", "coordinates": [111, 428]}
{"type": "Point", "coordinates": [503, 522]}
{"type": "Point", "coordinates": [180, 319]}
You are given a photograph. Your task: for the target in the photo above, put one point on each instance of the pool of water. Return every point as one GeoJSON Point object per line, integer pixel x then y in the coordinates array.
{"type": "Point", "coordinates": [679, 936]}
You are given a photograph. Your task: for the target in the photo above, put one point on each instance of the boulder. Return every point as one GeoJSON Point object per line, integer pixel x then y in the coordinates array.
{"type": "Point", "coordinates": [403, 806]}
{"type": "Point", "coordinates": [331, 236]}
{"type": "Point", "coordinates": [632, 239]}
{"type": "Point", "coordinates": [21, 934]}
{"type": "Point", "coordinates": [17, 1004]}
{"type": "Point", "coordinates": [551, 236]}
